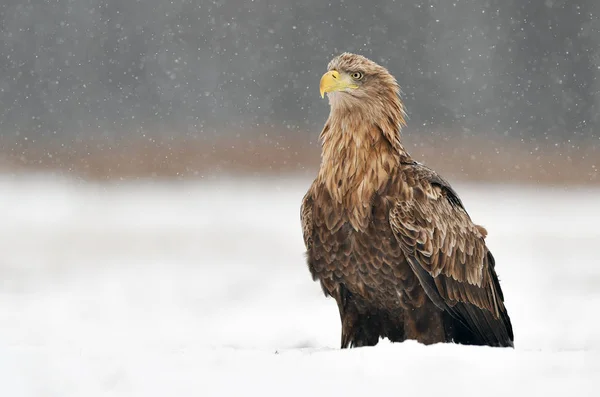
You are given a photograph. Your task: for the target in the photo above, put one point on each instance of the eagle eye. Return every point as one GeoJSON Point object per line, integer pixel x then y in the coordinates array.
{"type": "Point", "coordinates": [357, 75]}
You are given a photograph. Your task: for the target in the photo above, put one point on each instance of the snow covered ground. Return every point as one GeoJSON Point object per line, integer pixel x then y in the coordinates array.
{"type": "Point", "coordinates": [200, 289]}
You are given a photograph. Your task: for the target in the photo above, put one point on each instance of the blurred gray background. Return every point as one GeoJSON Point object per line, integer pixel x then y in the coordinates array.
{"type": "Point", "coordinates": [104, 84]}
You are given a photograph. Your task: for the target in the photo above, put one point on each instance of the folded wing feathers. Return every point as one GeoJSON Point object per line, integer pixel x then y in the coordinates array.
{"type": "Point", "coordinates": [445, 243]}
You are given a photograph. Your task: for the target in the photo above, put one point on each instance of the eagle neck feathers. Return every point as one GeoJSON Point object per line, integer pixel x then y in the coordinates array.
{"type": "Point", "coordinates": [361, 151]}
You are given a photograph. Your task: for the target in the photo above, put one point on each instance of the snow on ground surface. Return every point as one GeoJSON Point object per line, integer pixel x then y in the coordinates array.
{"type": "Point", "coordinates": [201, 289]}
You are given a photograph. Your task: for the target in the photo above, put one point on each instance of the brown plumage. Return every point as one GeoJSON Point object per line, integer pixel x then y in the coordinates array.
{"type": "Point", "coordinates": [387, 237]}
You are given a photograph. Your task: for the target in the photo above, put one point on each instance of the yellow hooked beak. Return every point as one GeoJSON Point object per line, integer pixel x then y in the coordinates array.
{"type": "Point", "coordinates": [334, 81]}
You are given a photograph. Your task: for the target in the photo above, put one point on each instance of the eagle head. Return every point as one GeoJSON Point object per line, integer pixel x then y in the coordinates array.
{"type": "Point", "coordinates": [360, 89]}
{"type": "Point", "coordinates": [352, 79]}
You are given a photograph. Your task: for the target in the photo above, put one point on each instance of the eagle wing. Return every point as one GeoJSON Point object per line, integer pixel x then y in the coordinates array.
{"type": "Point", "coordinates": [448, 254]}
